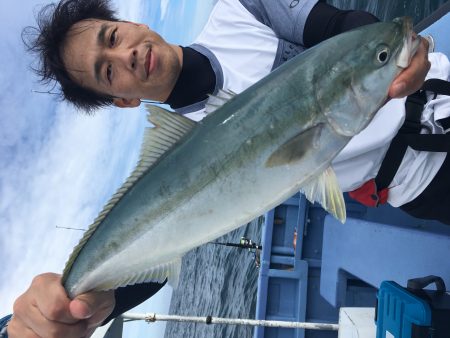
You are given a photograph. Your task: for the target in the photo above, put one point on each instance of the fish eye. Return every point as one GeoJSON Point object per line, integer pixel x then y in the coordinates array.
{"type": "Point", "coordinates": [383, 55]}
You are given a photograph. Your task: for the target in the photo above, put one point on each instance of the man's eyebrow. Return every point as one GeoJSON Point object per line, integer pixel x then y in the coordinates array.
{"type": "Point", "coordinates": [100, 42]}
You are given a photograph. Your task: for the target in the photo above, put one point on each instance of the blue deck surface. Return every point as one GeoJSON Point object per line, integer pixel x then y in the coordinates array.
{"type": "Point", "coordinates": [337, 264]}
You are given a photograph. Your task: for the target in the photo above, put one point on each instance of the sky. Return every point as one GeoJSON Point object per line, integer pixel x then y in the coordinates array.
{"type": "Point", "coordinates": [59, 166]}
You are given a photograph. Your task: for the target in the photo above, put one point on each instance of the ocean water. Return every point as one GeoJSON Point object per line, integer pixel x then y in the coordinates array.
{"type": "Point", "coordinates": [221, 281]}
{"type": "Point", "coordinates": [218, 281]}
{"type": "Point", "coordinates": [389, 9]}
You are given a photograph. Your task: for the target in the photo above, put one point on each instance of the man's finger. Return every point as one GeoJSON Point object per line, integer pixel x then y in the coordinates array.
{"type": "Point", "coordinates": [35, 325]}
{"type": "Point", "coordinates": [51, 298]}
{"type": "Point", "coordinates": [16, 329]}
{"type": "Point", "coordinates": [94, 306]}
{"type": "Point", "coordinates": [412, 78]}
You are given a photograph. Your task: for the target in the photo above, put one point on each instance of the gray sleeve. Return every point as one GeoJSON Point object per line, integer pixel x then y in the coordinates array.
{"type": "Point", "coordinates": [287, 18]}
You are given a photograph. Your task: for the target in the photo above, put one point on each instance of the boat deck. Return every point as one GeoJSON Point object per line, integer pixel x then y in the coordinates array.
{"type": "Point", "coordinates": [338, 265]}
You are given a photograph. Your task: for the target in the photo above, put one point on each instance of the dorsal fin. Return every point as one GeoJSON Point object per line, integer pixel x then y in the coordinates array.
{"type": "Point", "coordinates": [169, 129]}
{"type": "Point", "coordinates": [216, 101]}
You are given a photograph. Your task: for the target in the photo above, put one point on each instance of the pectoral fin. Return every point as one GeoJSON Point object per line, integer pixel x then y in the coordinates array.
{"type": "Point", "coordinates": [294, 149]}
{"type": "Point", "coordinates": [326, 191]}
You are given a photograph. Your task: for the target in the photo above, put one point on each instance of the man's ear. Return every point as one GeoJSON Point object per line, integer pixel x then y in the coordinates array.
{"type": "Point", "coordinates": [126, 103]}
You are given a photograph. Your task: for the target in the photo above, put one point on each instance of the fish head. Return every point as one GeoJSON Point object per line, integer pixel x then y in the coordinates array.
{"type": "Point", "coordinates": [367, 61]}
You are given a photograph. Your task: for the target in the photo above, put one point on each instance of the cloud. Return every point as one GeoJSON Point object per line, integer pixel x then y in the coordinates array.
{"type": "Point", "coordinates": [58, 166]}
{"type": "Point", "coordinates": [131, 10]}
{"type": "Point", "coordinates": [164, 5]}
{"type": "Point", "coordinates": [82, 162]}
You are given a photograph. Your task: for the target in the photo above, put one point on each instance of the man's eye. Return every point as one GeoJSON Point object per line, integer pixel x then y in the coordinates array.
{"type": "Point", "coordinates": [109, 73]}
{"type": "Point", "coordinates": [112, 38]}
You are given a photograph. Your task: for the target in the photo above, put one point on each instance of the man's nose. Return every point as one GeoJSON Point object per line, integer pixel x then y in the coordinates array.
{"type": "Point", "coordinates": [127, 57]}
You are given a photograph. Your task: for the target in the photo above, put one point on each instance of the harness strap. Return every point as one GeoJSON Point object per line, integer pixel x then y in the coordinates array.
{"type": "Point", "coordinates": [375, 191]}
{"type": "Point", "coordinates": [437, 86]}
{"type": "Point", "coordinates": [397, 149]}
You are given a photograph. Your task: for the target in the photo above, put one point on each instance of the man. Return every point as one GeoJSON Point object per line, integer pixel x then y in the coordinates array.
{"type": "Point", "coordinates": [99, 61]}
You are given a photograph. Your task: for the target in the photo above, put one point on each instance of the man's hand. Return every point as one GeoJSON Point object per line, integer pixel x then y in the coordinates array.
{"type": "Point", "coordinates": [411, 79]}
{"type": "Point", "coordinates": [45, 311]}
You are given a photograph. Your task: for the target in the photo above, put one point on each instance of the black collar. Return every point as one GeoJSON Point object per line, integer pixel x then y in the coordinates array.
{"type": "Point", "coordinates": [196, 80]}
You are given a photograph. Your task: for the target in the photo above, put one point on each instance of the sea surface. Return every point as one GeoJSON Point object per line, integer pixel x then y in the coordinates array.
{"type": "Point", "coordinates": [221, 281]}
{"type": "Point", "coordinates": [389, 9]}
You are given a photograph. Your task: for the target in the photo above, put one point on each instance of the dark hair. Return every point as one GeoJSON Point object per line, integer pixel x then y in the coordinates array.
{"type": "Point", "coordinates": [46, 40]}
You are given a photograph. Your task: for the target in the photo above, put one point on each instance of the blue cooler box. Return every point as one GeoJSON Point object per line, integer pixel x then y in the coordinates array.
{"type": "Point", "coordinates": [413, 312]}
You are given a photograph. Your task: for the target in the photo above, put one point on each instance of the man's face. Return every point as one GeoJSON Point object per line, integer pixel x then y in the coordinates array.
{"type": "Point", "coordinates": [122, 59]}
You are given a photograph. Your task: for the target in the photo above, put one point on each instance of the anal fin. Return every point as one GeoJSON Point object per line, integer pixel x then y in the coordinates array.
{"type": "Point", "coordinates": [169, 271]}
{"type": "Point", "coordinates": [326, 191]}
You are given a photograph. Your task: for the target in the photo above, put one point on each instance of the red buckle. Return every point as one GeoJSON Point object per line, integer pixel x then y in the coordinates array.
{"type": "Point", "coordinates": [368, 195]}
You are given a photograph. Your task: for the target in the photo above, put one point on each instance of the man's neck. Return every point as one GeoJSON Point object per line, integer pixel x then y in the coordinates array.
{"type": "Point", "coordinates": [195, 82]}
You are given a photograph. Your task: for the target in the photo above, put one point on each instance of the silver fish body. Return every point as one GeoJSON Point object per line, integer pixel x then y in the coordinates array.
{"type": "Point", "coordinates": [246, 157]}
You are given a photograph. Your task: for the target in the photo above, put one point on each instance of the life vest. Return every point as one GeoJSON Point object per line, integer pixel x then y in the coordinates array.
{"type": "Point", "coordinates": [375, 191]}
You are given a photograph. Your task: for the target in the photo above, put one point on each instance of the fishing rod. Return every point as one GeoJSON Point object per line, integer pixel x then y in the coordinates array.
{"type": "Point", "coordinates": [237, 245]}
{"type": "Point", "coordinates": [244, 243]}
{"type": "Point", "coordinates": [68, 228]}
{"type": "Point", "coordinates": [153, 317]}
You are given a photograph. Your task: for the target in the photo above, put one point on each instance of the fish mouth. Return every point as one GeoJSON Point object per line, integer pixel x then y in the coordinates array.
{"type": "Point", "coordinates": [411, 42]}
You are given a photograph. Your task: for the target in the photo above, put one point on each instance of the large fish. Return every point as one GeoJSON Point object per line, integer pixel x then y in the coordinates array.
{"type": "Point", "coordinates": [198, 181]}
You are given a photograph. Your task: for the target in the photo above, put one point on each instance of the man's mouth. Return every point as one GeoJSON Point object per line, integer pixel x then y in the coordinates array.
{"type": "Point", "coordinates": [149, 62]}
